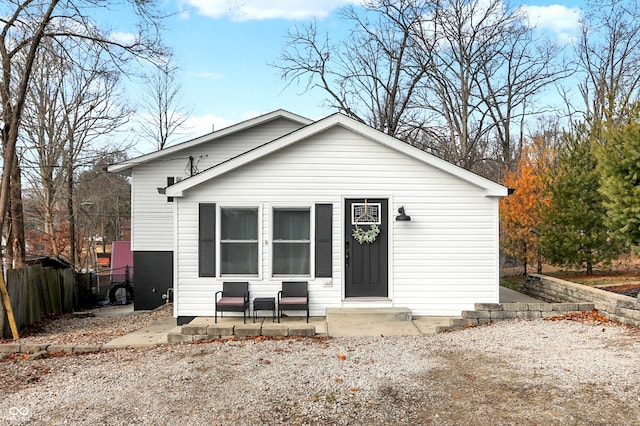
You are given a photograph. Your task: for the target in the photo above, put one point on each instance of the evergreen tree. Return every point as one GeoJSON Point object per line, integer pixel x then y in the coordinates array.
{"type": "Point", "coordinates": [574, 231]}
{"type": "Point", "coordinates": [619, 165]}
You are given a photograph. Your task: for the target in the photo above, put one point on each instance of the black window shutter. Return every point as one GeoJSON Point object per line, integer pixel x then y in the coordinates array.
{"type": "Point", "coordinates": [324, 256]}
{"type": "Point", "coordinates": [207, 240]}
{"type": "Point", "coordinates": [170, 181]}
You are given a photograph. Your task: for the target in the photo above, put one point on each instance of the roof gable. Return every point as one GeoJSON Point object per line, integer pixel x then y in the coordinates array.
{"type": "Point", "coordinates": [126, 166]}
{"type": "Point", "coordinates": [491, 188]}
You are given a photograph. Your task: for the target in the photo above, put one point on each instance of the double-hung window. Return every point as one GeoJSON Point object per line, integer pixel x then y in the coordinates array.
{"type": "Point", "coordinates": [239, 241]}
{"type": "Point", "coordinates": [291, 241]}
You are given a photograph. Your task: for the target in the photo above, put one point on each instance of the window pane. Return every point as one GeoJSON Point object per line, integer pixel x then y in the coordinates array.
{"type": "Point", "coordinates": [239, 258]}
{"type": "Point", "coordinates": [364, 214]}
{"type": "Point", "coordinates": [291, 224]}
{"type": "Point", "coordinates": [239, 224]}
{"type": "Point", "coordinates": [290, 258]}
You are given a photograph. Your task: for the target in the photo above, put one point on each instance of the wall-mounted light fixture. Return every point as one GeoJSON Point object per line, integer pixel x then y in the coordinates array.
{"type": "Point", "coordinates": [161, 190]}
{"type": "Point", "coordinates": [402, 216]}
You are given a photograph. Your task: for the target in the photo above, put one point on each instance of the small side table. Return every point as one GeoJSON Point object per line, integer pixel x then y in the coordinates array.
{"type": "Point", "coordinates": [264, 304]}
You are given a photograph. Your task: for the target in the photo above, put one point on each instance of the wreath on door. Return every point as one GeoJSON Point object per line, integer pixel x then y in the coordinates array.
{"type": "Point", "coordinates": [365, 236]}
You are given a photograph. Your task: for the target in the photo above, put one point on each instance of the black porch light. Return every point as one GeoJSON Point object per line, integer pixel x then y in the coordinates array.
{"type": "Point", "coordinates": [402, 216]}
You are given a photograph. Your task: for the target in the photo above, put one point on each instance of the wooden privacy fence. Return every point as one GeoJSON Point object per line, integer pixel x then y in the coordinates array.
{"type": "Point", "coordinates": [36, 292]}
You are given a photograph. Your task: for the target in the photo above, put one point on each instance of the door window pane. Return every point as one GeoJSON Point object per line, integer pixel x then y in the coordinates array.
{"type": "Point", "coordinates": [365, 213]}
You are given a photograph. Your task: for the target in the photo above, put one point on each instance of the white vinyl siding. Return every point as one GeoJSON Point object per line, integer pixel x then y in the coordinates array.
{"type": "Point", "coordinates": [152, 215]}
{"type": "Point", "coordinates": [441, 262]}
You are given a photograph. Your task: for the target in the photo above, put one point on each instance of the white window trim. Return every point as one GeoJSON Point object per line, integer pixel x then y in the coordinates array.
{"type": "Point", "coordinates": [219, 239]}
{"type": "Point", "coordinates": [312, 239]}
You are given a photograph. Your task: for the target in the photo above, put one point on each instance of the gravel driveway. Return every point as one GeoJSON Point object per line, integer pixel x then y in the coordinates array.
{"type": "Point", "coordinates": [516, 372]}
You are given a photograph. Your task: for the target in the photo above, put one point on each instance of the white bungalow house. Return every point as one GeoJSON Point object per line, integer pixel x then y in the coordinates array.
{"type": "Point", "coordinates": [281, 198]}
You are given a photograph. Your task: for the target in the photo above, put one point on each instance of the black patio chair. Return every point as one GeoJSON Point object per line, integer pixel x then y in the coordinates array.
{"type": "Point", "coordinates": [294, 296]}
{"type": "Point", "coordinates": [234, 298]}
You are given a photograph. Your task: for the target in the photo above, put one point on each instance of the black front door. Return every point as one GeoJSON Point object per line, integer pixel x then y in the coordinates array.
{"type": "Point", "coordinates": [366, 265]}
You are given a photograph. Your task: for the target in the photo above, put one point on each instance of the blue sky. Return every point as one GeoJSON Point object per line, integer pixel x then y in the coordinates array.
{"type": "Point", "coordinates": [224, 47]}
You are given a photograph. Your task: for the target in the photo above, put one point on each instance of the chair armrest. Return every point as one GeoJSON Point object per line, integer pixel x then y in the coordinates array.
{"type": "Point", "coordinates": [279, 296]}
{"type": "Point", "coordinates": [216, 295]}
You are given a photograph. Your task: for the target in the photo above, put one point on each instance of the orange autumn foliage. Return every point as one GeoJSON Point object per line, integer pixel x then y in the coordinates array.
{"type": "Point", "coordinates": [520, 211]}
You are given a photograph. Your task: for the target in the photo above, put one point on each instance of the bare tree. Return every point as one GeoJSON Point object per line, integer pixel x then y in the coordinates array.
{"type": "Point", "coordinates": [485, 71]}
{"type": "Point", "coordinates": [608, 57]}
{"type": "Point", "coordinates": [91, 111]}
{"type": "Point", "coordinates": [163, 112]}
{"type": "Point", "coordinates": [25, 25]}
{"type": "Point", "coordinates": [371, 78]}
{"type": "Point", "coordinates": [455, 78]}
{"type": "Point", "coordinates": [104, 205]}
{"type": "Point", "coordinates": [14, 233]}
{"type": "Point", "coordinates": [68, 109]}
{"type": "Point", "coordinates": [44, 140]}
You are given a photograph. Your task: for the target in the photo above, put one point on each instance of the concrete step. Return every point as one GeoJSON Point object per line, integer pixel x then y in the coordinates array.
{"type": "Point", "coordinates": [369, 314]}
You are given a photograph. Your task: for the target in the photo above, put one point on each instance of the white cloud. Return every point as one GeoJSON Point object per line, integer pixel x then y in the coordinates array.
{"type": "Point", "coordinates": [561, 20]}
{"type": "Point", "coordinates": [207, 123]}
{"type": "Point", "coordinates": [125, 38]}
{"type": "Point", "coordinates": [208, 75]}
{"type": "Point", "coordinates": [247, 10]}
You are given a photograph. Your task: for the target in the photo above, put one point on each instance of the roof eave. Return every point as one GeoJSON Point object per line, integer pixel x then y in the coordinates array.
{"type": "Point", "coordinates": [491, 188]}
{"type": "Point", "coordinates": [126, 166]}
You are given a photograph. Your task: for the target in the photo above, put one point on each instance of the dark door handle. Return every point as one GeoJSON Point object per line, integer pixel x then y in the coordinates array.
{"type": "Point", "coordinates": [346, 253]}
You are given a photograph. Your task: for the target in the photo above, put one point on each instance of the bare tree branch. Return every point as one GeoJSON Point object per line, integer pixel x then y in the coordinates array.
{"type": "Point", "coordinates": [455, 78]}
{"type": "Point", "coordinates": [164, 114]}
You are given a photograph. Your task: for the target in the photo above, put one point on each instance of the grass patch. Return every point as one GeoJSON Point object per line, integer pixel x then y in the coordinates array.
{"type": "Point", "coordinates": [514, 283]}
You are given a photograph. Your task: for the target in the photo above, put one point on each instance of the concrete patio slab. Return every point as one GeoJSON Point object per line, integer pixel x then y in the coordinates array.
{"type": "Point", "coordinates": [511, 296]}
{"type": "Point", "coordinates": [152, 335]}
{"type": "Point", "coordinates": [340, 326]}
{"type": "Point", "coordinates": [353, 327]}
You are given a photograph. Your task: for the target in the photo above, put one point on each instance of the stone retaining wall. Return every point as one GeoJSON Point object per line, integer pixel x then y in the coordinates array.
{"type": "Point", "coordinates": [188, 333]}
{"type": "Point", "coordinates": [486, 313]}
{"type": "Point", "coordinates": [194, 332]}
{"type": "Point", "coordinates": [615, 307]}
{"type": "Point", "coordinates": [39, 350]}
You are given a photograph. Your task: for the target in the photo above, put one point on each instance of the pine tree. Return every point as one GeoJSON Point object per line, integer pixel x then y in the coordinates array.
{"type": "Point", "coordinates": [574, 231]}
{"type": "Point", "coordinates": [619, 165]}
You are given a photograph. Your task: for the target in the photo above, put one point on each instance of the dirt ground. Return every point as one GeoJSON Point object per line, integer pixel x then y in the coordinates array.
{"type": "Point", "coordinates": [571, 371]}
{"type": "Point", "coordinates": [521, 372]}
